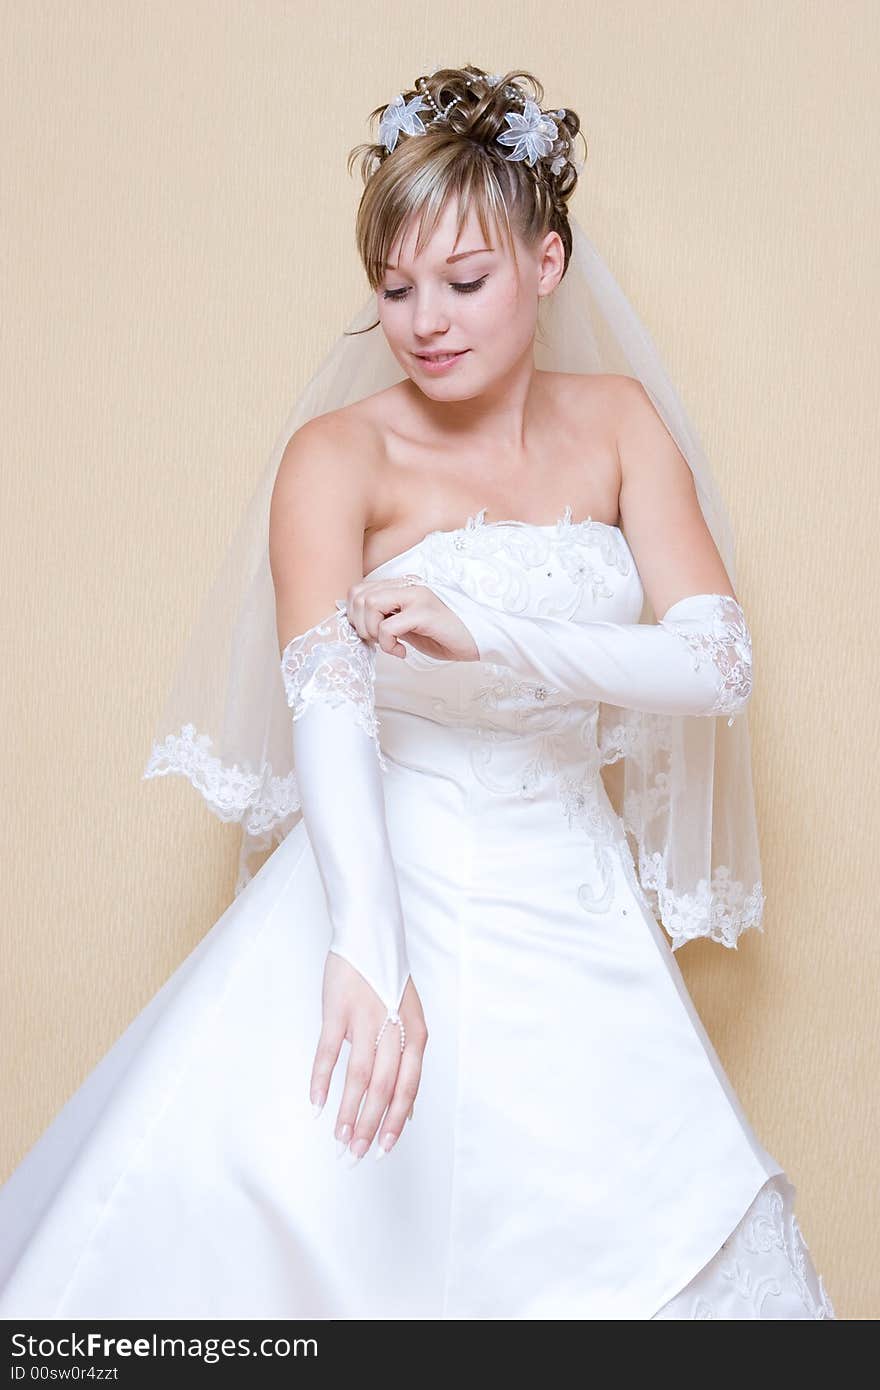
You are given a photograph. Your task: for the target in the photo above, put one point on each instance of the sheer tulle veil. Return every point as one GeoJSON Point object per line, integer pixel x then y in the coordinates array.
{"type": "Point", "coordinates": [681, 784]}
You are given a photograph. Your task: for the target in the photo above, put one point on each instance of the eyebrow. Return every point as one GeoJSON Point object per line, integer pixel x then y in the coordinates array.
{"type": "Point", "coordinates": [459, 256]}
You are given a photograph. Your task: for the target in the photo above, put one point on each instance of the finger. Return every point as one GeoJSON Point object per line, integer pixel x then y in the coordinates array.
{"type": "Point", "coordinates": [356, 606]}
{"type": "Point", "coordinates": [370, 600]}
{"type": "Point", "coordinates": [326, 1056]}
{"type": "Point", "coordinates": [381, 603]}
{"type": "Point", "coordinates": [389, 627]}
{"type": "Point", "coordinates": [357, 1079]}
{"type": "Point", "coordinates": [402, 1102]}
{"type": "Point", "coordinates": [354, 609]}
{"type": "Point", "coordinates": [414, 620]}
{"type": "Point", "coordinates": [379, 1092]}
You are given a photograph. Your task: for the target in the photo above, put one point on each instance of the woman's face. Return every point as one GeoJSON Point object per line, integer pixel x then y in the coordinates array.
{"type": "Point", "coordinates": [470, 300]}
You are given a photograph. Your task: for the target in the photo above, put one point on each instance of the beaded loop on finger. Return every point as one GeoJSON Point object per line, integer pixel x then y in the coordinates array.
{"type": "Point", "coordinates": [392, 1018]}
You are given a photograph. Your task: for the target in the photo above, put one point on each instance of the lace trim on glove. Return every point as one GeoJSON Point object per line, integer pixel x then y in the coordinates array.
{"type": "Point", "coordinates": [728, 645]}
{"type": "Point", "coordinates": [332, 662]}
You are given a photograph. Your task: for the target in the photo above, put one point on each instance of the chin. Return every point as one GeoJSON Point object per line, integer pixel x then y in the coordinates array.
{"type": "Point", "coordinates": [447, 390]}
{"type": "Point", "coordinates": [455, 387]}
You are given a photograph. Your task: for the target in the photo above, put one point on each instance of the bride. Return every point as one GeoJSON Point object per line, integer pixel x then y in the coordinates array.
{"type": "Point", "coordinates": [498, 795]}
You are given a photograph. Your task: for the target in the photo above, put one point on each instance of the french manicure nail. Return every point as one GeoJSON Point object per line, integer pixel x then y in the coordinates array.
{"type": "Point", "coordinates": [351, 1159]}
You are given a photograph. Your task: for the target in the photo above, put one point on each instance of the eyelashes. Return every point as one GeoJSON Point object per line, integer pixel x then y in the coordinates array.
{"type": "Point", "coordinates": [471, 287]}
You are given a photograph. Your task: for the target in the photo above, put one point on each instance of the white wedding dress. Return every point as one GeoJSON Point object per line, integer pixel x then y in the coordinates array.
{"type": "Point", "coordinates": [576, 1150]}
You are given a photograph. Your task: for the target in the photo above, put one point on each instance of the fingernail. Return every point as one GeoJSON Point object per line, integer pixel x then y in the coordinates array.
{"type": "Point", "coordinates": [359, 1147]}
{"type": "Point", "coordinates": [318, 1106]}
{"type": "Point", "coordinates": [352, 1158]}
{"type": "Point", "coordinates": [383, 1148]}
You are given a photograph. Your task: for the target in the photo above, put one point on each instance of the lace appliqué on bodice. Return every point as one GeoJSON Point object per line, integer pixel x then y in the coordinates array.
{"type": "Point", "coordinates": [332, 662]}
{"type": "Point", "coordinates": [500, 562]}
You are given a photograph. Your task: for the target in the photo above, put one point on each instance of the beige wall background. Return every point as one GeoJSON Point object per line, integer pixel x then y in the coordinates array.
{"type": "Point", "coordinates": [177, 252]}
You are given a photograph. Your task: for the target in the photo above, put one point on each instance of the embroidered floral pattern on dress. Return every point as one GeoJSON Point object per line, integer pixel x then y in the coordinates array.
{"type": "Point", "coordinates": [332, 662]}
{"type": "Point", "coordinates": [762, 1271]}
{"type": "Point", "coordinates": [511, 556]}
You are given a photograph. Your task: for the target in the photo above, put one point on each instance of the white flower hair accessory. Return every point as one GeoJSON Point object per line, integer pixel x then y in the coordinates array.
{"type": "Point", "coordinates": [399, 116]}
{"type": "Point", "coordinates": [532, 135]}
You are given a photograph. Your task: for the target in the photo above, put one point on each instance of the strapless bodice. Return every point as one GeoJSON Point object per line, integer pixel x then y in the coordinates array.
{"type": "Point", "coordinates": [576, 570]}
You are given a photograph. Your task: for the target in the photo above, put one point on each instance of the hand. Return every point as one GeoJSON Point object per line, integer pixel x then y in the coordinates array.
{"type": "Point", "coordinates": [384, 610]}
{"type": "Point", "coordinates": [389, 1077]}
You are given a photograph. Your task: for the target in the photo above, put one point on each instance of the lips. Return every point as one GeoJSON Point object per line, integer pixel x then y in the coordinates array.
{"type": "Point", "coordinates": [440, 356]}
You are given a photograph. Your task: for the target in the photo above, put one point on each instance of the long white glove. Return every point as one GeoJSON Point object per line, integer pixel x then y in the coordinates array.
{"type": "Point", "coordinates": [696, 660]}
{"type": "Point", "coordinates": [329, 674]}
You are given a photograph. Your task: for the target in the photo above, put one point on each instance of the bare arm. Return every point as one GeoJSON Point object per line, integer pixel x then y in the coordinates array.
{"type": "Point", "coordinates": [659, 509]}
{"type": "Point", "coordinates": [317, 519]}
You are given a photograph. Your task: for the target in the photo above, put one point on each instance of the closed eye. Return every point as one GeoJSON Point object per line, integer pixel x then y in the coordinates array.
{"type": "Point", "coordinates": [470, 288]}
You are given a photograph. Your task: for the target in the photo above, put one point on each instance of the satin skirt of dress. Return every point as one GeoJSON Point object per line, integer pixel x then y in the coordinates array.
{"type": "Point", "coordinates": [576, 1150]}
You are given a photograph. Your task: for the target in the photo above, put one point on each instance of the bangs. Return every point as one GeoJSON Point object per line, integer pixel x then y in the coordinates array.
{"type": "Point", "coordinates": [419, 189]}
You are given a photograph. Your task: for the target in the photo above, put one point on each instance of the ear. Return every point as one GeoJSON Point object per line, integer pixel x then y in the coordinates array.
{"type": "Point", "coordinates": [551, 263]}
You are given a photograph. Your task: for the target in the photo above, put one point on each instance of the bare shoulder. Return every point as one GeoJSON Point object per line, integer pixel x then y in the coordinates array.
{"type": "Point", "coordinates": [636, 420]}
{"type": "Point", "coordinates": [330, 454]}
{"type": "Point", "coordinates": [328, 470]}
{"type": "Point", "coordinates": [622, 410]}
{"type": "Point", "coordinates": [597, 401]}
{"type": "Point", "coordinates": [584, 388]}
{"type": "Point", "coordinates": [348, 443]}
{"type": "Point", "coordinates": [319, 511]}
{"type": "Point", "coordinates": [610, 396]}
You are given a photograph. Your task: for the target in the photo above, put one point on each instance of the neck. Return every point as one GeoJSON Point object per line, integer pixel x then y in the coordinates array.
{"type": "Point", "coordinates": [497, 421]}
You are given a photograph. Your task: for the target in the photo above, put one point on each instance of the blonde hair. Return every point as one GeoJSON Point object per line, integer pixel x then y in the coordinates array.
{"type": "Point", "coordinates": [458, 157]}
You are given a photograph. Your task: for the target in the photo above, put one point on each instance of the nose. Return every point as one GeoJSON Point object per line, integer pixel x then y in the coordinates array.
{"type": "Point", "coordinates": [429, 316]}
